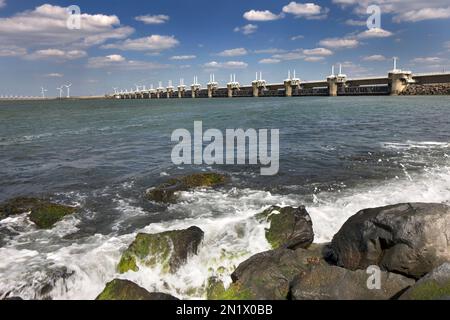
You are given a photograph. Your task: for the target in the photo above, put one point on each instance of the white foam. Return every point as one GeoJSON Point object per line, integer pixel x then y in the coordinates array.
{"type": "Point", "coordinates": [232, 234]}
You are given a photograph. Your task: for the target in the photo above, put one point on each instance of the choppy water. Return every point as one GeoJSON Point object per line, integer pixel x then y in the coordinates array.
{"type": "Point", "coordinates": [338, 155]}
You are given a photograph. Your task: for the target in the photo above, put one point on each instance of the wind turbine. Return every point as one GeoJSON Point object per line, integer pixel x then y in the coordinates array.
{"type": "Point", "coordinates": [60, 91]}
{"type": "Point", "coordinates": [43, 91]}
{"type": "Point", "coordinates": [68, 89]}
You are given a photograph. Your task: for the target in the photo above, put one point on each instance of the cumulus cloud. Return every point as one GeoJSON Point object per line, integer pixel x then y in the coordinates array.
{"type": "Point", "coordinates": [233, 52]}
{"type": "Point", "coordinates": [403, 10]}
{"type": "Point", "coordinates": [117, 61]}
{"type": "Point", "coordinates": [314, 59]}
{"type": "Point", "coordinates": [185, 57]}
{"type": "Point", "coordinates": [423, 14]}
{"type": "Point", "coordinates": [269, 51]}
{"type": "Point", "coordinates": [56, 54]}
{"type": "Point", "coordinates": [247, 29]}
{"type": "Point", "coordinates": [46, 25]}
{"type": "Point", "coordinates": [266, 15]}
{"type": "Point", "coordinates": [318, 52]}
{"type": "Point", "coordinates": [269, 61]}
{"type": "Point", "coordinates": [292, 55]}
{"type": "Point", "coordinates": [151, 43]}
{"type": "Point", "coordinates": [356, 23]}
{"type": "Point", "coordinates": [339, 43]}
{"type": "Point", "coordinates": [305, 10]}
{"type": "Point", "coordinates": [375, 33]}
{"type": "Point", "coordinates": [153, 19]}
{"type": "Point", "coordinates": [375, 57]}
{"type": "Point", "coordinates": [12, 51]}
{"type": "Point", "coordinates": [226, 65]}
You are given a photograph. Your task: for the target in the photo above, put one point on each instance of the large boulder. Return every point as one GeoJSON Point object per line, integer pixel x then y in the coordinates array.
{"type": "Point", "coordinates": [267, 276]}
{"type": "Point", "coordinates": [335, 283]}
{"type": "Point", "coordinates": [127, 290]}
{"type": "Point", "coordinates": [410, 239]}
{"type": "Point", "coordinates": [434, 286]}
{"type": "Point", "coordinates": [170, 249]}
{"type": "Point", "coordinates": [166, 192]}
{"type": "Point", "coordinates": [290, 228]}
{"type": "Point", "coordinates": [43, 213]}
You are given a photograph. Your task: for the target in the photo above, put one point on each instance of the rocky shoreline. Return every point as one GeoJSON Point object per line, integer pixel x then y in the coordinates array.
{"type": "Point", "coordinates": [427, 89]}
{"type": "Point", "coordinates": [396, 252]}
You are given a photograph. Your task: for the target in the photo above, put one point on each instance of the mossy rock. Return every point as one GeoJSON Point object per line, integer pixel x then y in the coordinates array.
{"type": "Point", "coordinates": [214, 289]}
{"type": "Point", "coordinates": [434, 286]}
{"type": "Point", "coordinates": [127, 290]}
{"type": "Point", "coordinates": [18, 206]}
{"type": "Point", "coordinates": [166, 192]}
{"type": "Point", "coordinates": [267, 275]}
{"type": "Point", "coordinates": [170, 249]}
{"type": "Point", "coordinates": [290, 227]}
{"type": "Point", "coordinates": [236, 292]}
{"type": "Point", "coordinates": [47, 214]}
{"type": "Point", "coordinates": [42, 212]}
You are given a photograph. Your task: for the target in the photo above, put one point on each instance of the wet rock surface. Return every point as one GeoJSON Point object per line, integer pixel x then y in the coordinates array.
{"type": "Point", "coordinates": [409, 239]}
{"type": "Point", "coordinates": [166, 193]}
{"type": "Point", "coordinates": [127, 290]}
{"type": "Point", "coordinates": [290, 228]}
{"type": "Point", "coordinates": [170, 249]}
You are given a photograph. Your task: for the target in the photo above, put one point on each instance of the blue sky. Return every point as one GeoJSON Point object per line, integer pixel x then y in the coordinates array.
{"type": "Point", "coordinates": [145, 42]}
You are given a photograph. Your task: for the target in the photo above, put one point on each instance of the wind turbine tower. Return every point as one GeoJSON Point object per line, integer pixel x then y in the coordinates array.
{"type": "Point", "coordinates": [68, 89]}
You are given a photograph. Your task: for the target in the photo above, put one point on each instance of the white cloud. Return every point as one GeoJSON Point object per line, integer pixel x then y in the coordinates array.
{"type": "Point", "coordinates": [294, 38]}
{"type": "Point", "coordinates": [46, 26]}
{"type": "Point", "coordinates": [289, 56]}
{"type": "Point", "coordinates": [428, 60]}
{"type": "Point", "coordinates": [185, 57]}
{"type": "Point", "coordinates": [423, 14]}
{"type": "Point", "coordinates": [153, 19]}
{"type": "Point", "coordinates": [318, 52]}
{"type": "Point", "coordinates": [54, 75]}
{"type": "Point", "coordinates": [116, 61]}
{"type": "Point", "coordinates": [2, 3]}
{"type": "Point", "coordinates": [151, 43]}
{"type": "Point", "coordinates": [403, 10]}
{"type": "Point", "coordinates": [356, 23]}
{"type": "Point", "coordinates": [226, 65]}
{"type": "Point", "coordinates": [269, 51]}
{"type": "Point", "coordinates": [375, 33]}
{"type": "Point", "coordinates": [233, 52]}
{"type": "Point", "coordinates": [338, 43]}
{"type": "Point", "coordinates": [266, 15]}
{"type": "Point", "coordinates": [56, 54]}
{"type": "Point", "coordinates": [305, 10]}
{"type": "Point", "coordinates": [375, 57]}
{"type": "Point", "coordinates": [314, 59]}
{"type": "Point", "coordinates": [269, 61]}
{"type": "Point", "coordinates": [12, 51]}
{"type": "Point", "coordinates": [247, 29]}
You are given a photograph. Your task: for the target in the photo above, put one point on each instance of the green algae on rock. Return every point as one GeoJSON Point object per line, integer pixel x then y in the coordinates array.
{"type": "Point", "coordinates": [166, 193]}
{"type": "Point", "coordinates": [267, 275]}
{"type": "Point", "coordinates": [170, 249]}
{"type": "Point", "coordinates": [434, 286]}
{"type": "Point", "coordinates": [290, 227]}
{"type": "Point", "coordinates": [215, 289]}
{"type": "Point", "coordinates": [126, 290]}
{"type": "Point", "coordinates": [42, 212]}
